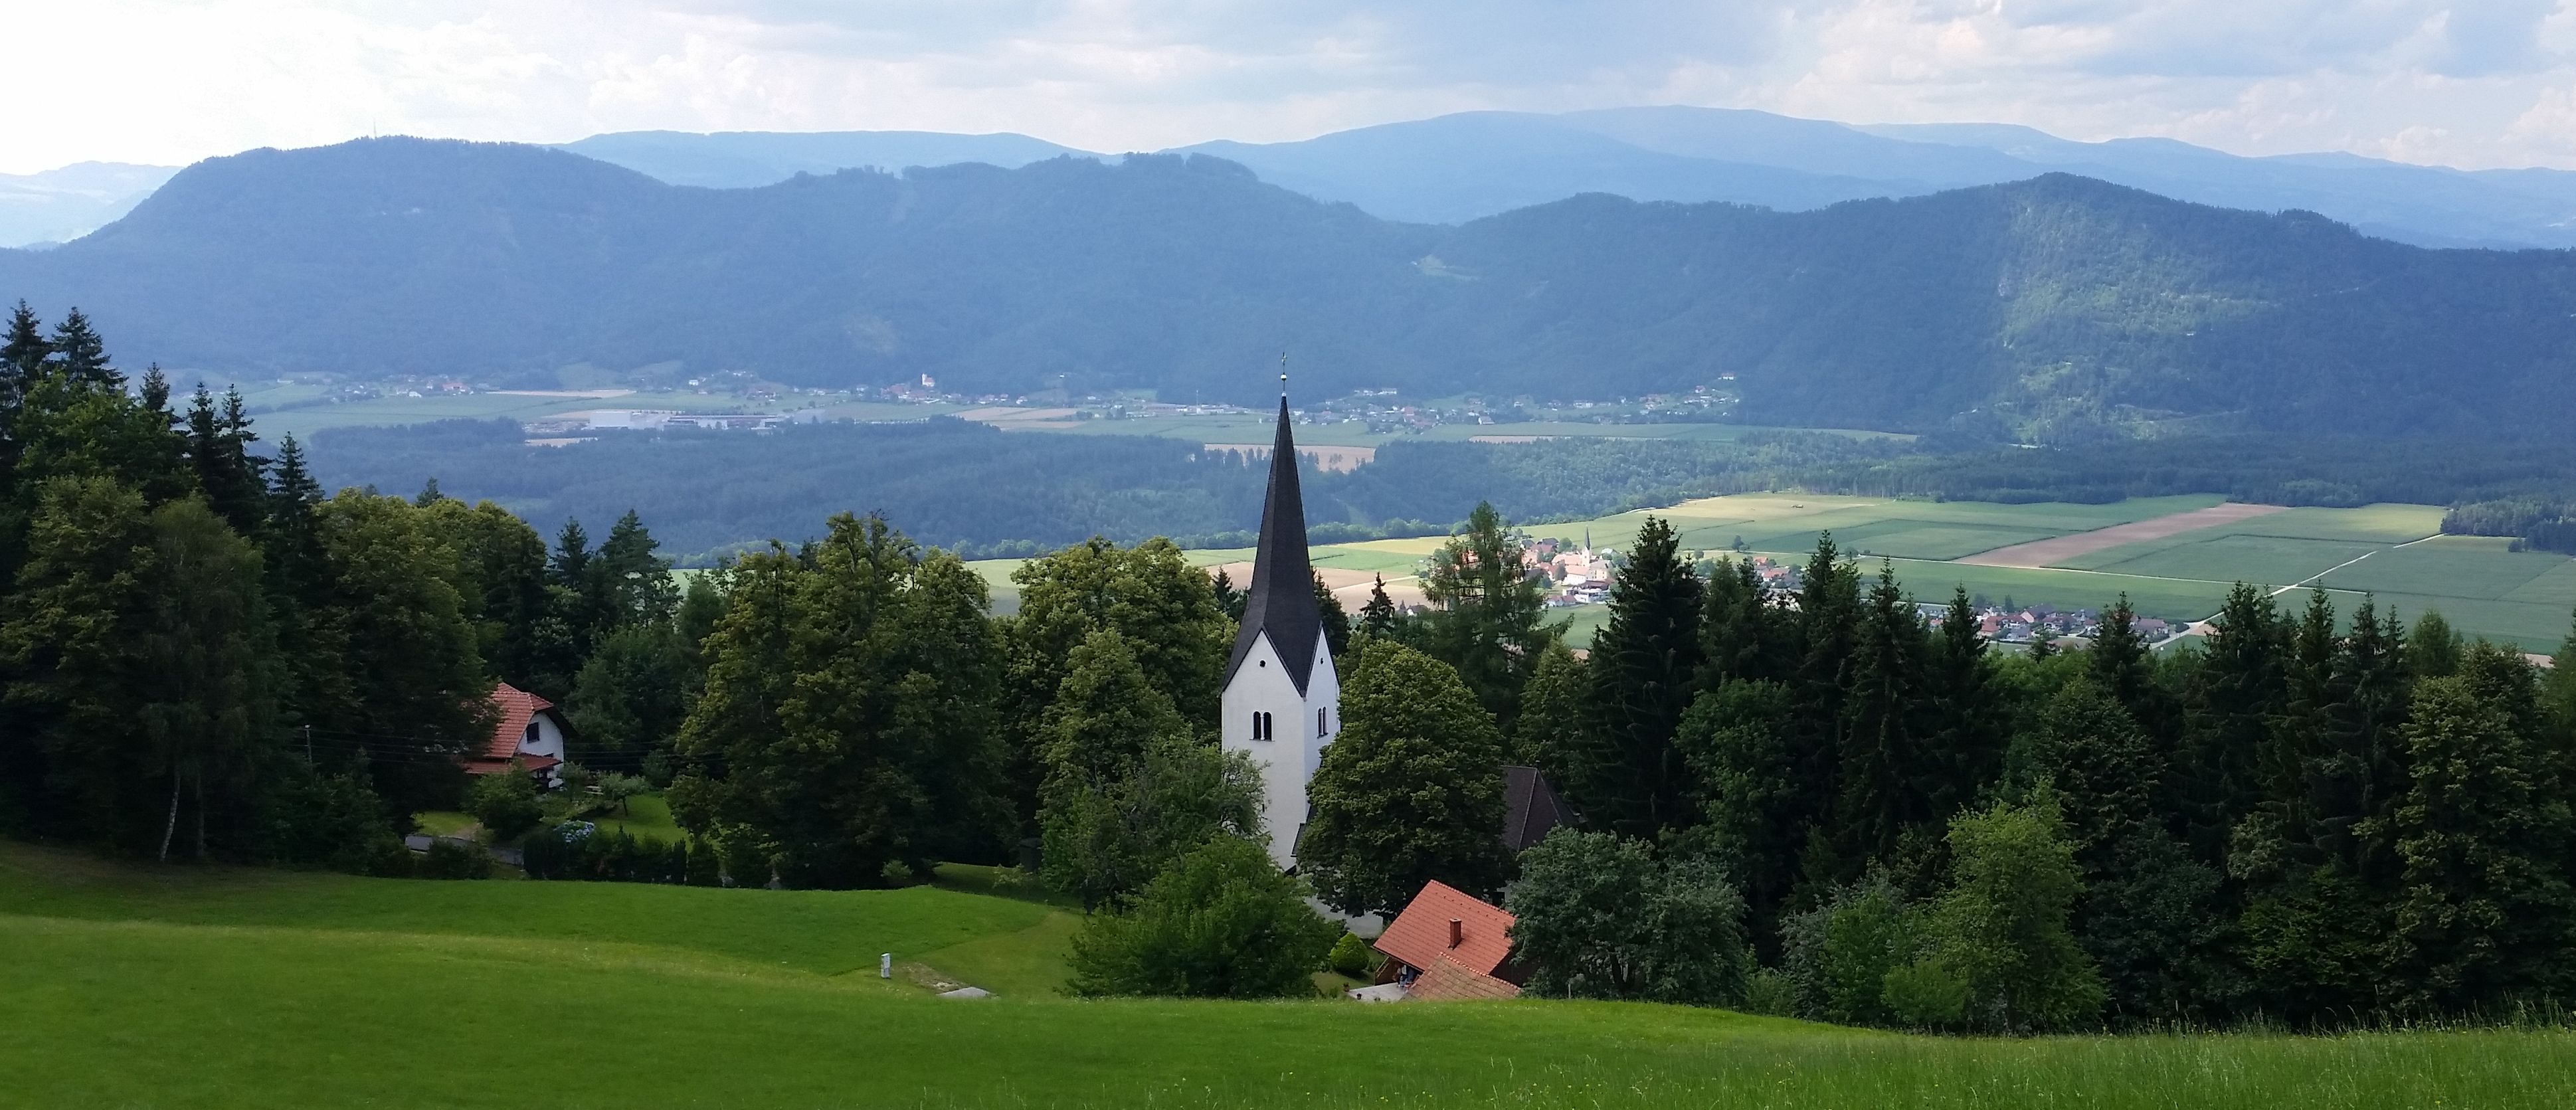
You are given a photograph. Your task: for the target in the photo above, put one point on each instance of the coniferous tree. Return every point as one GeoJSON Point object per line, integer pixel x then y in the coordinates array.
{"type": "Point", "coordinates": [1229, 598]}
{"type": "Point", "coordinates": [636, 586]}
{"type": "Point", "coordinates": [2484, 911]}
{"type": "Point", "coordinates": [1554, 732]}
{"type": "Point", "coordinates": [1886, 769]}
{"type": "Point", "coordinates": [1486, 619]}
{"type": "Point", "coordinates": [1377, 618]}
{"type": "Point", "coordinates": [1739, 739]}
{"type": "Point", "coordinates": [1742, 634]}
{"type": "Point", "coordinates": [2432, 649]}
{"type": "Point", "coordinates": [1966, 712]}
{"type": "Point", "coordinates": [80, 355]}
{"type": "Point", "coordinates": [2240, 690]}
{"type": "Point", "coordinates": [1828, 621]}
{"type": "Point", "coordinates": [227, 473]}
{"type": "Point", "coordinates": [1643, 665]}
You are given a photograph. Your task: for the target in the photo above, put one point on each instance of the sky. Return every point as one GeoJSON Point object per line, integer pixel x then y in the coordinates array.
{"type": "Point", "coordinates": [168, 82]}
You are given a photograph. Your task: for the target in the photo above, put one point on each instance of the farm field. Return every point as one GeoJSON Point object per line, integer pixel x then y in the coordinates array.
{"type": "Point", "coordinates": [1259, 428]}
{"type": "Point", "coordinates": [2390, 551]}
{"type": "Point", "coordinates": [136, 986]}
{"type": "Point", "coordinates": [310, 416]}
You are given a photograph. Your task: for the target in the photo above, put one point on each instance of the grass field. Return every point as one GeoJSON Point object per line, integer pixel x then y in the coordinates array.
{"type": "Point", "coordinates": [169, 988]}
{"type": "Point", "coordinates": [2482, 589]}
{"type": "Point", "coordinates": [1259, 427]}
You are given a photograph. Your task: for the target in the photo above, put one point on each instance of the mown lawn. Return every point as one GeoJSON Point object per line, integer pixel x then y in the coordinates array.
{"type": "Point", "coordinates": [175, 988]}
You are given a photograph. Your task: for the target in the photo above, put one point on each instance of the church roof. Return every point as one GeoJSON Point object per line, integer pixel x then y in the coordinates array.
{"type": "Point", "coordinates": [1531, 808]}
{"type": "Point", "coordinates": [1282, 599]}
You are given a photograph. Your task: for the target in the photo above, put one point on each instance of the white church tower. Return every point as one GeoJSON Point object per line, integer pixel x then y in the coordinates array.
{"type": "Point", "coordinates": [1282, 701]}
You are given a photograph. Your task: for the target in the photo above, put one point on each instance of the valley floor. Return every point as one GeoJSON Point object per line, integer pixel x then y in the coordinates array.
{"type": "Point", "coordinates": [212, 987]}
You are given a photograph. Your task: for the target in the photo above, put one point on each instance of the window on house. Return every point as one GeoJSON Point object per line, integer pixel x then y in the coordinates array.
{"type": "Point", "coordinates": [1261, 726]}
{"type": "Point", "coordinates": [1320, 729]}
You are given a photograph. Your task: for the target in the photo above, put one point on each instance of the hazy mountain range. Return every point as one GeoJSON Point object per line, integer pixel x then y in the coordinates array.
{"type": "Point", "coordinates": [2057, 308]}
{"type": "Point", "coordinates": [1461, 167]}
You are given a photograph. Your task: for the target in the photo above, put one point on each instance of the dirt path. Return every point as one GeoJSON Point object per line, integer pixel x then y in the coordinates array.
{"type": "Point", "coordinates": [2041, 553]}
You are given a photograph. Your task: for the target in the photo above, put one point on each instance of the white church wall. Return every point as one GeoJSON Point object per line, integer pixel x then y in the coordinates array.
{"type": "Point", "coordinates": [1286, 759]}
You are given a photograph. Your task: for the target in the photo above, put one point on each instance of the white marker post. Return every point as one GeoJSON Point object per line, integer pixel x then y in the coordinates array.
{"type": "Point", "coordinates": [885, 966]}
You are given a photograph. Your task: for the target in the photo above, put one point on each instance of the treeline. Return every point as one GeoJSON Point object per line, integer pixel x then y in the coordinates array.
{"type": "Point", "coordinates": [981, 493]}
{"type": "Point", "coordinates": [2307, 818]}
{"type": "Point", "coordinates": [2535, 523]}
{"type": "Point", "coordinates": [206, 656]}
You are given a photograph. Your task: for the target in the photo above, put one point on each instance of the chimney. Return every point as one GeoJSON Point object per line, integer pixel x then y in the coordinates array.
{"type": "Point", "coordinates": [1457, 932]}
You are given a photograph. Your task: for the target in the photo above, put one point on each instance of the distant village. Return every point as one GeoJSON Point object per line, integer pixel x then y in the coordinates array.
{"type": "Point", "coordinates": [1582, 575]}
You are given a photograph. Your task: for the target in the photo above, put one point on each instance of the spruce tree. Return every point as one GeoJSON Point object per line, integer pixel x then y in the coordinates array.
{"type": "Point", "coordinates": [1228, 598]}
{"type": "Point", "coordinates": [1739, 741]}
{"type": "Point", "coordinates": [1966, 712]}
{"type": "Point", "coordinates": [1643, 665]}
{"type": "Point", "coordinates": [2432, 649]}
{"type": "Point", "coordinates": [2484, 910]}
{"type": "Point", "coordinates": [2239, 691]}
{"type": "Point", "coordinates": [1742, 634]}
{"type": "Point", "coordinates": [80, 355]}
{"type": "Point", "coordinates": [1487, 612]}
{"type": "Point", "coordinates": [227, 474]}
{"type": "Point", "coordinates": [1886, 769]}
{"type": "Point", "coordinates": [1378, 617]}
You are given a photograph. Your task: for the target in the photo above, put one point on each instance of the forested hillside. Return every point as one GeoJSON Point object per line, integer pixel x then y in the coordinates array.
{"type": "Point", "coordinates": [2056, 309]}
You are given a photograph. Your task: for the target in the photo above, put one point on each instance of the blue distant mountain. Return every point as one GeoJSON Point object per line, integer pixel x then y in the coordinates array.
{"type": "Point", "coordinates": [747, 159]}
{"type": "Point", "coordinates": [61, 205]}
{"type": "Point", "coordinates": [2053, 309]}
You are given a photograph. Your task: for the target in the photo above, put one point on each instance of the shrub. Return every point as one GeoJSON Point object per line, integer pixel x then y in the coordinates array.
{"type": "Point", "coordinates": [1769, 991]}
{"type": "Point", "coordinates": [505, 804]}
{"type": "Point", "coordinates": [1925, 994]}
{"type": "Point", "coordinates": [1600, 917]}
{"type": "Point", "coordinates": [448, 859]}
{"type": "Point", "coordinates": [703, 867]}
{"type": "Point", "coordinates": [1353, 957]}
{"type": "Point", "coordinates": [1839, 954]}
{"type": "Point", "coordinates": [1221, 922]}
{"type": "Point", "coordinates": [330, 821]}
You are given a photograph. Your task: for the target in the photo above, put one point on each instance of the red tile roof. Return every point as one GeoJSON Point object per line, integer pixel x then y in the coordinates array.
{"type": "Point", "coordinates": [516, 707]}
{"type": "Point", "coordinates": [1419, 937]}
{"type": "Point", "coordinates": [1447, 980]}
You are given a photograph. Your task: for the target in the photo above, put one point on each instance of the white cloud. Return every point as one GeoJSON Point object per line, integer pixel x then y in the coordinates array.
{"type": "Point", "coordinates": [2472, 83]}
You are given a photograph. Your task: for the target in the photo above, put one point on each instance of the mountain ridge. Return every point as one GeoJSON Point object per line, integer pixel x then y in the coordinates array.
{"type": "Point", "coordinates": [2059, 308]}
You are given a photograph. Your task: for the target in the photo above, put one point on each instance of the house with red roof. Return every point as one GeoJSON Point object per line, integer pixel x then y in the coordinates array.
{"type": "Point", "coordinates": [1447, 945]}
{"type": "Point", "coordinates": [528, 736]}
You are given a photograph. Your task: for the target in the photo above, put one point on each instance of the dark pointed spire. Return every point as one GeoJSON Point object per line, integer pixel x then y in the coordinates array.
{"type": "Point", "coordinates": [1282, 599]}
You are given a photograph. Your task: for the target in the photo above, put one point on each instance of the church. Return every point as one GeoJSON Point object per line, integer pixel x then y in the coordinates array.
{"type": "Point", "coordinates": [1282, 701]}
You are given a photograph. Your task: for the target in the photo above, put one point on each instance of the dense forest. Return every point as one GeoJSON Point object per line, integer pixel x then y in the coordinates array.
{"type": "Point", "coordinates": [2052, 310]}
{"type": "Point", "coordinates": [982, 493]}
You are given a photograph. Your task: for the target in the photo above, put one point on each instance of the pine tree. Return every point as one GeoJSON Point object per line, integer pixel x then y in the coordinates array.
{"type": "Point", "coordinates": [1378, 617]}
{"type": "Point", "coordinates": [2433, 650]}
{"type": "Point", "coordinates": [636, 584]}
{"type": "Point", "coordinates": [1643, 665]}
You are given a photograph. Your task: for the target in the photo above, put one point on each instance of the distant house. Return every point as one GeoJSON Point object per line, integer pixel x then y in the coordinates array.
{"type": "Point", "coordinates": [529, 736]}
{"type": "Point", "coordinates": [1531, 808]}
{"type": "Point", "coordinates": [1446, 945]}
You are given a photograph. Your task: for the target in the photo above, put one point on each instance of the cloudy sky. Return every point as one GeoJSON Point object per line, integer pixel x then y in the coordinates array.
{"type": "Point", "coordinates": [2476, 85]}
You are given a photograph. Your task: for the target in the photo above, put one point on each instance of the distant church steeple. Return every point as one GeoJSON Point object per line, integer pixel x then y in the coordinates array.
{"type": "Point", "coordinates": [1282, 701]}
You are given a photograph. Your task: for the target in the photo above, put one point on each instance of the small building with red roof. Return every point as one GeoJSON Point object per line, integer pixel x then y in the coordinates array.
{"type": "Point", "coordinates": [528, 735]}
{"type": "Point", "coordinates": [1448, 945]}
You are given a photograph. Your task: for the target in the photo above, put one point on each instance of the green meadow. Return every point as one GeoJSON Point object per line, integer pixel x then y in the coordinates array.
{"type": "Point", "coordinates": [211, 987]}
{"type": "Point", "coordinates": [2390, 552]}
